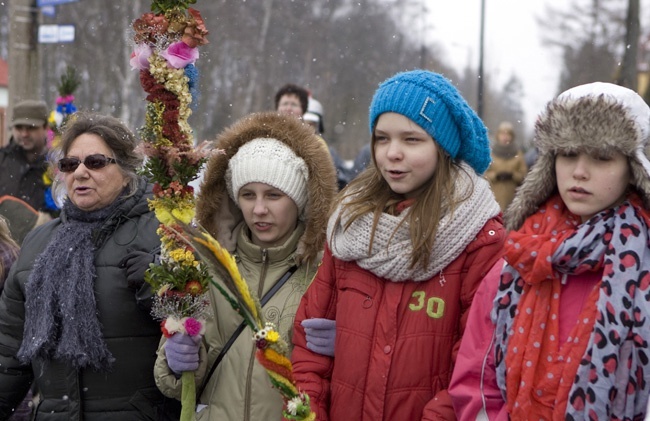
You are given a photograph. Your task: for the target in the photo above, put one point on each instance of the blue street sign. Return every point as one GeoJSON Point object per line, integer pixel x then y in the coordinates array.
{"type": "Point", "coordinates": [41, 3]}
{"type": "Point", "coordinates": [48, 11]}
{"type": "Point", "coordinates": [49, 34]}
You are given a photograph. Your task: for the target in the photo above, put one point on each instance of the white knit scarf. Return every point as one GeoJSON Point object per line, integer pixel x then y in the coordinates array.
{"type": "Point", "coordinates": [390, 258]}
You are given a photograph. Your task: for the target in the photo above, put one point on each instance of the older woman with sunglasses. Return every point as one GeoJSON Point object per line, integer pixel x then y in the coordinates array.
{"type": "Point", "coordinates": [70, 314]}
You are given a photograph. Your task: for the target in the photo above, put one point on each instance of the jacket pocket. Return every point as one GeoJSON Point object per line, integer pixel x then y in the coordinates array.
{"type": "Point", "coordinates": [356, 308]}
{"type": "Point", "coordinates": [356, 291]}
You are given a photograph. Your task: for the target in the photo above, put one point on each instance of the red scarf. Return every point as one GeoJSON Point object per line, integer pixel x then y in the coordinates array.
{"type": "Point", "coordinates": [540, 370]}
{"type": "Point", "coordinates": [545, 379]}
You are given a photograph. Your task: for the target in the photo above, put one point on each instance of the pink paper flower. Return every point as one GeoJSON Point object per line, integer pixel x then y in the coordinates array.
{"type": "Point", "coordinates": [179, 55]}
{"type": "Point", "coordinates": [192, 326]}
{"type": "Point", "coordinates": [64, 99]}
{"type": "Point", "coordinates": [140, 57]}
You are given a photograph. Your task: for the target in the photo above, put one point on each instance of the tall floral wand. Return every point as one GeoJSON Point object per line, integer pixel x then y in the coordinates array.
{"type": "Point", "coordinates": [272, 351]}
{"type": "Point", "coordinates": [68, 84]}
{"type": "Point", "coordinates": [65, 108]}
{"type": "Point", "coordinates": [165, 50]}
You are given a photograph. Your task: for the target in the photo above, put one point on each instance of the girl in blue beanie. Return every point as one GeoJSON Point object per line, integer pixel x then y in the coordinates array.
{"type": "Point", "coordinates": [408, 243]}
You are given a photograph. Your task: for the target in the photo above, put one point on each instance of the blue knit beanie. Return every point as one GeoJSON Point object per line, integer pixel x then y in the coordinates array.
{"type": "Point", "coordinates": [434, 104]}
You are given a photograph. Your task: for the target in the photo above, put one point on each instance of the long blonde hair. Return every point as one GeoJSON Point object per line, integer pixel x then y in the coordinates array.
{"type": "Point", "coordinates": [5, 238]}
{"type": "Point", "coordinates": [370, 193]}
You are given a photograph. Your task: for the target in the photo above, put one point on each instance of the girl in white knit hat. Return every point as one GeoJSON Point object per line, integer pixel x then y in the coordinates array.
{"type": "Point", "coordinates": [564, 334]}
{"type": "Point", "coordinates": [408, 244]}
{"type": "Point", "coordinates": [266, 199]}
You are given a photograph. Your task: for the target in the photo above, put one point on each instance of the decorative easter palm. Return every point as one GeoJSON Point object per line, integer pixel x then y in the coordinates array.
{"type": "Point", "coordinates": [272, 351]}
{"type": "Point", "coordinates": [68, 84]}
{"type": "Point", "coordinates": [166, 42]}
{"type": "Point", "coordinates": [165, 49]}
{"type": "Point", "coordinates": [65, 108]}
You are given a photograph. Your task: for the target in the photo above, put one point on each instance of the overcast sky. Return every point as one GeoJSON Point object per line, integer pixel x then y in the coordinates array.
{"type": "Point", "coordinates": [512, 44]}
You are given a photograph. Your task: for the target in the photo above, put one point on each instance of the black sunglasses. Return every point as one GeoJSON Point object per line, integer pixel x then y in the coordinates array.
{"type": "Point", "coordinates": [92, 162]}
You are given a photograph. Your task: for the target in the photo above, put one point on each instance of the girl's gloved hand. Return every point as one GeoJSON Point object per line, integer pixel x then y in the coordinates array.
{"type": "Point", "coordinates": [182, 352]}
{"type": "Point", "coordinates": [320, 335]}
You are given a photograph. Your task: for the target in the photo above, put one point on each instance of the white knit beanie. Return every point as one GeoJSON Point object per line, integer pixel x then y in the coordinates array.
{"type": "Point", "coordinates": [269, 161]}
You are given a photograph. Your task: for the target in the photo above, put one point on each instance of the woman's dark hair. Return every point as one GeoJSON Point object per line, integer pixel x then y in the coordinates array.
{"type": "Point", "coordinates": [291, 89]}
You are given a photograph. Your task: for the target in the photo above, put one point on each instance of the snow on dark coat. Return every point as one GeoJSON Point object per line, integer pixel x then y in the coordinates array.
{"type": "Point", "coordinates": [128, 391]}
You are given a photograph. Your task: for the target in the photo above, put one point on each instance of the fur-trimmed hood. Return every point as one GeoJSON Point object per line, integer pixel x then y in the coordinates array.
{"type": "Point", "coordinates": [217, 212]}
{"type": "Point", "coordinates": [592, 118]}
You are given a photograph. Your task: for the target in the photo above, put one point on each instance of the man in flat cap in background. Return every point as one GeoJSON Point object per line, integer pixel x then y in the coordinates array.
{"type": "Point", "coordinates": [23, 161]}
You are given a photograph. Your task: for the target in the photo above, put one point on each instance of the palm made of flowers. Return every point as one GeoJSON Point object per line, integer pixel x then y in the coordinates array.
{"type": "Point", "coordinates": [166, 45]}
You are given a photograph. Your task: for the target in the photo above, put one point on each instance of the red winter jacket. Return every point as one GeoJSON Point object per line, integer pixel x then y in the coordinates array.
{"type": "Point", "coordinates": [395, 341]}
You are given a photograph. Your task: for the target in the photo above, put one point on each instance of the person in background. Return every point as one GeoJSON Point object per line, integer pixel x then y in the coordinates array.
{"type": "Point", "coordinates": [314, 118]}
{"type": "Point", "coordinates": [20, 217]}
{"type": "Point", "coordinates": [564, 335]}
{"type": "Point", "coordinates": [362, 160]}
{"type": "Point", "coordinates": [531, 156]}
{"type": "Point", "coordinates": [74, 292]}
{"type": "Point", "coordinates": [408, 244]}
{"type": "Point", "coordinates": [8, 253]}
{"type": "Point", "coordinates": [266, 200]}
{"type": "Point", "coordinates": [292, 100]}
{"type": "Point", "coordinates": [23, 161]}
{"type": "Point", "coordinates": [508, 167]}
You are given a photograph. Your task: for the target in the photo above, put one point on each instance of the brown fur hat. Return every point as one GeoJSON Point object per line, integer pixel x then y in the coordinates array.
{"type": "Point", "coordinates": [217, 212]}
{"type": "Point", "coordinates": [592, 118]}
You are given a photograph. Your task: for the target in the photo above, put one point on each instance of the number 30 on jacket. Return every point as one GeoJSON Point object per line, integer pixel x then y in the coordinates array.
{"type": "Point", "coordinates": [435, 306]}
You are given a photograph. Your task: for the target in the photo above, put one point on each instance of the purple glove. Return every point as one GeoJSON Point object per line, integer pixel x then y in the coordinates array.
{"type": "Point", "coordinates": [320, 335]}
{"type": "Point", "coordinates": [183, 352]}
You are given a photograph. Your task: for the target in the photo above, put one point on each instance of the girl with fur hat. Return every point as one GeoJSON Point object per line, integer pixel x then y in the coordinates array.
{"type": "Point", "coordinates": [564, 333]}
{"type": "Point", "coordinates": [408, 244]}
{"type": "Point", "coordinates": [266, 199]}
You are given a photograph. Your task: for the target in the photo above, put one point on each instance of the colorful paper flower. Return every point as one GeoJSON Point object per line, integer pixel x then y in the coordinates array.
{"type": "Point", "coordinates": [140, 57]}
{"type": "Point", "coordinates": [195, 32]}
{"type": "Point", "coordinates": [179, 55]}
{"type": "Point", "coordinates": [164, 330]}
{"type": "Point", "coordinates": [149, 27]}
{"type": "Point", "coordinates": [193, 327]}
{"type": "Point", "coordinates": [293, 404]}
{"type": "Point", "coordinates": [163, 289]}
{"type": "Point", "coordinates": [193, 288]}
{"type": "Point", "coordinates": [173, 325]}
{"type": "Point", "coordinates": [66, 99]}
{"type": "Point", "coordinates": [273, 336]}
